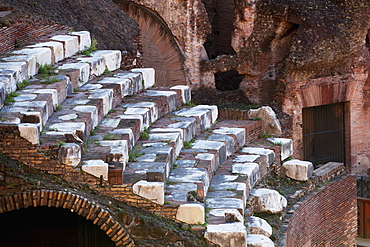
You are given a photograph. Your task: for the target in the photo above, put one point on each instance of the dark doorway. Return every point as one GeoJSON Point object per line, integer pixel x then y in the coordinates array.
{"type": "Point", "coordinates": [324, 133]}
{"type": "Point", "coordinates": [49, 227]}
{"type": "Point", "coordinates": [228, 80]}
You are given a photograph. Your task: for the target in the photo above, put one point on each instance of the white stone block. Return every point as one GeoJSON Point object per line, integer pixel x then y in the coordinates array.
{"type": "Point", "coordinates": [52, 92]}
{"type": "Point", "coordinates": [245, 158]}
{"type": "Point", "coordinates": [41, 105]}
{"type": "Point", "coordinates": [168, 137]}
{"type": "Point", "coordinates": [29, 132]}
{"type": "Point", "coordinates": [144, 112]}
{"type": "Point", "coordinates": [134, 116]}
{"type": "Point", "coordinates": [84, 39]}
{"type": "Point", "coordinates": [118, 150]}
{"type": "Point", "coordinates": [136, 84]}
{"type": "Point", "coordinates": [237, 133]}
{"type": "Point", "coordinates": [2, 94]}
{"type": "Point", "coordinates": [106, 95]}
{"type": "Point", "coordinates": [185, 92]}
{"type": "Point", "coordinates": [96, 168]}
{"type": "Point", "coordinates": [254, 240]}
{"type": "Point", "coordinates": [124, 83]}
{"type": "Point", "coordinates": [249, 169]}
{"type": "Point", "coordinates": [57, 50]}
{"type": "Point", "coordinates": [97, 64]}
{"type": "Point", "coordinates": [212, 108]}
{"type": "Point", "coordinates": [29, 59]}
{"type": "Point", "coordinates": [220, 147]}
{"type": "Point", "coordinates": [227, 235]}
{"type": "Point", "coordinates": [171, 97]}
{"type": "Point", "coordinates": [20, 67]}
{"type": "Point", "coordinates": [93, 110]}
{"type": "Point", "coordinates": [70, 44]}
{"type": "Point", "coordinates": [191, 213]}
{"type": "Point", "coordinates": [112, 58]}
{"type": "Point", "coordinates": [150, 105]}
{"type": "Point", "coordinates": [203, 117]}
{"type": "Point", "coordinates": [286, 146]}
{"type": "Point", "coordinates": [83, 68]}
{"type": "Point", "coordinates": [261, 151]}
{"type": "Point", "coordinates": [148, 76]}
{"type": "Point", "coordinates": [8, 77]}
{"type": "Point", "coordinates": [43, 55]}
{"type": "Point", "coordinates": [268, 200]}
{"type": "Point", "coordinates": [153, 191]}
{"type": "Point", "coordinates": [257, 225]}
{"type": "Point", "coordinates": [69, 154]}
{"type": "Point", "coordinates": [228, 140]}
{"type": "Point", "coordinates": [77, 128]}
{"type": "Point", "coordinates": [298, 170]}
{"type": "Point", "coordinates": [127, 132]}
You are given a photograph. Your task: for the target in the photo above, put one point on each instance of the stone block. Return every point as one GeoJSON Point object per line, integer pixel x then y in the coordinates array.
{"type": "Point", "coordinates": [93, 110]}
{"type": "Point", "coordinates": [171, 97]}
{"type": "Point", "coordinates": [255, 240]}
{"type": "Point", "coordinates": [118, 150]}
{"type": "Point", "coordinates": [70, 44]}
{"type": "Point", "coordinates": [246, 158]}
{"type": "Point", "coordinates": [69, 154]}
{"type": "Point", "coordinates": [227, 235]}
{"type": "Point", "coordinates": [298, 170]}
{"type": "Point", "coordinates": [52, 92]}
{"type": "Point", "coordinates": [9, 78]}
{"type": "Point", "coordinates": [2, 94]}
{"type": "Point", "coordinates": [258, 226]}
{"type": "Point", "coordinates": [261, 151]}
{"type": "Point", "coordinates": [43, 55]}
{"type": "Point", "coordinates": [57, 50]}
{"type": "Point", "coordinates": [211, 163]}
{"type": "Point", "coordinates": [153, 191]}
{"type": "Point", "coordinates": [143, 112]}
{"type": "Point", "coordinates": [30, 132]}
{"type": "Point", "coordinates": [185, 92]}
{"type": "Point", "coordinates": [267, 200]}
{"type": "Point", "coordinates": [226, 203]}
{"type": "Point", "coordinates": [191, 213]}
{"type": "Point", "coordinates": [96, 168]}
{"type": "Point", "coordinates": [286, 146]}
{"type": "Point", "coordinates": [126, 134]}
{"type": "Point", "coordinates": [29, 59]}
{"type": "Point", "coordinates": [189, 127]}
{"type": "Point", "coordinates": [228, 140]}
{"type": "Point", "coordinates": [220, 147]}
{"type": "Point", "coordinates": [38, 106]}
{"type": "Point", "coordinates": [112, 58]}
{"type": "Point", "coordinates": [225, 215]}
{"type": "Point", "coordinates": [168, 130]}
{"type": "Point", "coordinates": [174, 138]}
{"type": "Point", "coordinates": [20, 67]}
{"type": "Point", "coordinates": [148, 76]}
{"type": "Point", "coordinates": [325, 171]}
{"type": "Point", "coordinates": [153, 109]}
{"type": "Point", "coordinates": [136, 118]}
{"type": "Point", "coordinates": [136, 79]}
{"type": "Point", "coordinates": [77, 128]}
{"type": "Point", "coordinates": [155, 171]}
{"type": "Point", "coordinates": [212, 108]}
{"type": "Point", "coordinates": [124, 83]}
{"type": "Point", "coordinates": [249, 169]}
{"type": "Point", "coordinates": [97, 64]}
{"type": "Point", "coordinates": [106, 95]}
{"type": "Point", "coordinates": [84, 39]}
{"type": "Point", "coordinates": [203, 117]}
{"type": "Point", "coordinates": [270, 123]}
{"type": "Point", "coordinates": [167, 151]}
{"type": "Point", "coordinates": [198, 176]}
{"type": "Point", "coordinates": [83, 68]}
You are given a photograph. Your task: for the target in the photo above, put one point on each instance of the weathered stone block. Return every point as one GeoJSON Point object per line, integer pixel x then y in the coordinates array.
{"type": "Point", "coordinates": [226, 235]}
{"type": "Point", "coordinates": [270, 123]}
{"type": "Point", "coordinates": [9, 78]}
{"type": "Point", "coordinates": [148, 76]}
{"type": "Point", "coordinates": [124, 83]}
{"type": "Point", "coordinates": [153, 191]}
{"type": "Point", "coordinates": [203, 117]}
{"type": "Point", "coordinates": [97, 64]}
{"type": "Point", "coordinates": [259, 226]}
{"type": "Point", "coordinates": [249, 169]}
{"type": "Point", "coordinates": [43, 55]}
{"type": "Point", "coordinates": [106, 95]}
{"type": "Point", "coordinates": [254, 240]}
{"type": "Point", "coordinates": [96, 167]}
{"type": "Point", "coordinates": [171, 97]}
{"type": "Point", "coordinates": [191, 213]}
{"type": "Point", "coordinates": [185, 92]}
{"type": "Point", "coordinates": [118, 151]}
{"type": "Point", "coordinates": [237, 133]}
{"type": "Point", "coordinates": [2, 94]}
{"type": "Point", "coordinates": [29, 59]}
{"type": "Point", "coordinates": [261, 151]}
{"type": "Point", "coordinates": [57, 50]}
{"type": "Point", "coordinates": [69, 154]}
{"type": "Point", "coordinates": [84, 39]}
{"type": "Point", "coordinates": [228, 140]}
{"type": "Point", "coordinates": [267, 200]}
{"type": "Point", "coordinates": [212, 108]}
{"type": "Point", "coordinates": [189, 128]}
{"type": "Point", "coordinates": [168, 137]}
{"type": "Point", "coordinates": [112, 58]}
{"type": "Point", "coordinates": [286, 146]}
{"type": "Point", "coordinates": [70, 44]}
{"type": "Point", "coordinates": [298, 170]}
{"type": "Point", "coordinates": [29, 132]}
{"type": "Point", "coordinates": [20, 67]}
{"type": "Point", "coordinates": [83, 68]}
{"type": "Point", "coordinates": [220, 147]}
{"type": "Point", "coordinates": [93, 110]}
{"type": "Point", "coordinates": [136, 84]}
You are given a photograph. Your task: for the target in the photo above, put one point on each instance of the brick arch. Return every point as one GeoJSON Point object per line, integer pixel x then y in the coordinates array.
{"type": "Point", "coordinates": [76, 203]}
{"type": "Point", "coordinates": [160, 48]}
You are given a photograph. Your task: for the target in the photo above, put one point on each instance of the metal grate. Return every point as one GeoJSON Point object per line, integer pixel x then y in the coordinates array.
{"type": "Point", "coordinates": [363, 186]}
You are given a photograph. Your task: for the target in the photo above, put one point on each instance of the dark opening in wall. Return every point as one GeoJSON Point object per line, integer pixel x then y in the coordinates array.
{"type": "Point", "coordinates": [367, 39]}
{"type": "Point", "coordinates": [49, 227]}
{"type": "Point", "coordinates": [221, 16]}
{"type": "Point", "coordinates": [228, 81]}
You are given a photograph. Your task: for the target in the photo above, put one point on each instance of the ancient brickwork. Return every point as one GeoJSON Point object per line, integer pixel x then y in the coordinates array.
{"type": "Point", "coordinates": [327, 218]}
{"type": "Point", "coordinates": [22, 33]}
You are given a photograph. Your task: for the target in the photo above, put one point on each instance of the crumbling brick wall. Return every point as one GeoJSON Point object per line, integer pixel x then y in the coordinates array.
{"type": "Point", "coordinates": [326, 218]}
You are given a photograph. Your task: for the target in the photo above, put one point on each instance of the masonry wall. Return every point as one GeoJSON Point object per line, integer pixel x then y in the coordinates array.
{"type": "Point", "coordinates": [22, 33]}
{"type": "Point", "coordinates": [326, 218]}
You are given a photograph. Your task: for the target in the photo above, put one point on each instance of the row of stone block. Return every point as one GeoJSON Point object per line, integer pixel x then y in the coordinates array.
{"type": "Point", "coordinates": [24, 63]}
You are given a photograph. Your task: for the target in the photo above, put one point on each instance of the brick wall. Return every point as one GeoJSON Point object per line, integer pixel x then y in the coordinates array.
{"type": "Point", "coordinates": [326, 218]}
{"type": "Point", "coordinates": [22, 34]}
